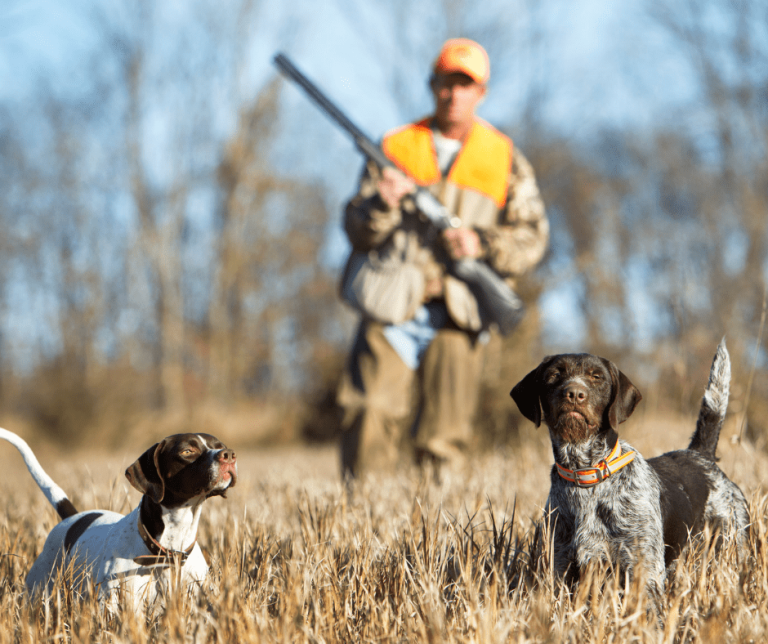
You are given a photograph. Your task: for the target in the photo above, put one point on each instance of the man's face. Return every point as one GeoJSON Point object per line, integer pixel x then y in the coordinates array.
{"type": "Point", "coordinates": [456, 98]}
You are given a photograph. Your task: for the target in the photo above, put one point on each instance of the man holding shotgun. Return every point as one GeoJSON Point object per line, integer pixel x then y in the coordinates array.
{"type": "Point", "coordinates": [425, 372]}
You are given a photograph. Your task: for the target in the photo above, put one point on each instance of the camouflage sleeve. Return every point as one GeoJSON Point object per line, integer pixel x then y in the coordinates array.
{"type": "Point", "coordinates": [368, 221]}
{"type": "Point", "coordinates": [520, 240]}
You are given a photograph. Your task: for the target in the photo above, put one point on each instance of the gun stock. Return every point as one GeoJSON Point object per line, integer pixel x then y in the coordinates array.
{"type": "Point", "coordinates": [497, 302]}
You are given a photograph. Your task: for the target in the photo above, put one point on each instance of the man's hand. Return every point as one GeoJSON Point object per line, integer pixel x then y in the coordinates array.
{"type": "Point", "coordinates": [393, 186]}
{"type": "Point", "coordinates": [462, 242]}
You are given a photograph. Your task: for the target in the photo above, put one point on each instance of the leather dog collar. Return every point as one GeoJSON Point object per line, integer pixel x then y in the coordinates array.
{"type": "Point", "coordinates": [590, 476]}
{"type": "Point", "coordinates": [160, 556]}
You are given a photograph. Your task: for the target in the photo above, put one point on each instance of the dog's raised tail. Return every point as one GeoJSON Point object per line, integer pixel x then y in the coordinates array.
{"type": "Point", "coordinates": [55, 495]}
{"type": "Point", "coordinates": [713, 405]}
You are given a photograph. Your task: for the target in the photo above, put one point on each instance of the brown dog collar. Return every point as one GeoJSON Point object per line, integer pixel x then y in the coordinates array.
{"type": "Point", "coordinates": [160, 556]}
{"type": "Point", "coordinates": [591, 476]}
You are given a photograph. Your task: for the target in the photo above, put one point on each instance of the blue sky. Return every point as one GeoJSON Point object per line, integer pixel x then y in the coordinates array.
{"type": "Point", "coordinates": [610, 63]}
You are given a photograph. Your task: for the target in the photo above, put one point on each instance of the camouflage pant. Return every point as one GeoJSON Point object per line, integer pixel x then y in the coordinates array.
{"type": "Point", "coordinates": [382, 398]}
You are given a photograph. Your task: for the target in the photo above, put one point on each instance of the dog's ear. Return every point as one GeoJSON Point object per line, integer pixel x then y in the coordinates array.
{"type": "Point", "coordinates": [624, 395]}
{"type": "Point", "coordinates": [145, 473]}
{"type": "Point", "coordinates": [526, 394]}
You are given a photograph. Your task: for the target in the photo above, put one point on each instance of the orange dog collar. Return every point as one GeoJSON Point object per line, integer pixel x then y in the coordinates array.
{"type": "Point", "coordinates": [590, 476]}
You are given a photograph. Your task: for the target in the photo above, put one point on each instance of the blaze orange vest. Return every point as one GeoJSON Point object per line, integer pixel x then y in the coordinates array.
{"type": "Point", "coordinates": [483, 163]}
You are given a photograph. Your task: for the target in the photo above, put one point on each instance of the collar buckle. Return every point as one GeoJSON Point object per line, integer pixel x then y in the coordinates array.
{"type": "Point", "coordinates": [579, 483]}
{"type": "Point", "coordinates": [602, 471]}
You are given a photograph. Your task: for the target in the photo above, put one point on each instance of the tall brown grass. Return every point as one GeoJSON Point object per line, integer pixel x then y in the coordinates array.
{"type": "Point", "coordinates": [399, 558]}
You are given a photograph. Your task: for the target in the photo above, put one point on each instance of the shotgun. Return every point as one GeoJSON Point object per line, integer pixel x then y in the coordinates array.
{"type": "Point", "coordinates": [497, 302]}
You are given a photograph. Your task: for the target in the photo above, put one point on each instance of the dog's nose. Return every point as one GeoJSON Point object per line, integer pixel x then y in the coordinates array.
{"type": "Point", "coordinates": [576, 393]}
{"type": "Point", "coordinates": [227, 456]}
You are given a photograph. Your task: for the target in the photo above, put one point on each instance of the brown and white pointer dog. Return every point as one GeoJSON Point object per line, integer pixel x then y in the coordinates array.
{"type": "Point", "coordinates": [607, 503]}
{"type": "Point", "coordinates": [135, 554]}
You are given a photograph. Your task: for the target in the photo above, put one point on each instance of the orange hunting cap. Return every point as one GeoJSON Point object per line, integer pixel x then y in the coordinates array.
{"type": "Point", "coordinates": [466, 57]}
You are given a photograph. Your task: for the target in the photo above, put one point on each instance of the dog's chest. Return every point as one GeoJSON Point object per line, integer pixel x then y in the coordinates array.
{"type": "Point", "coordinates": [621, 509]}
{"type": "Point", "coordinates": [598, 515]}
{"type": "Point", "coordinates": [144, 583]}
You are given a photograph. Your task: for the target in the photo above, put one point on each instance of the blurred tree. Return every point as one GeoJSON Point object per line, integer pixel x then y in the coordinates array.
{"type": "Point", "coordinates": [716, 170]}
{"type": "Point", "coordinates": [269, 293]}
{"type": "Point", "coordinates": [5, 242]}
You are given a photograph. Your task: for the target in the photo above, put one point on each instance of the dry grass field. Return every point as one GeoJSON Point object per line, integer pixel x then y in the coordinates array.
{"type": "Point", "coordinates": [399, 559]}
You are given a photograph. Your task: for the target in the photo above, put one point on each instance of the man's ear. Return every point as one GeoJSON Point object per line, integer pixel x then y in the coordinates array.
{"type": "Point", "coordinates": [526, 394]}
{"type": "Point", "coordinates": [145, 473]}
{"type": "Point", "coordinates": [624, 395]}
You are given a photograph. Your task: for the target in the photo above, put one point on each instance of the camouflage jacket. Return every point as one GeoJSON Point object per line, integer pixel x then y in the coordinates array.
{"type": "Point", "coordinates": [514, 238]}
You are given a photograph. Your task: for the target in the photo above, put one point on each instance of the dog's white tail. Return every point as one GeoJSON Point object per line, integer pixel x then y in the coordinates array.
{"type": "Point", "coordinates": [713, 405]}
{"type": "Point", "coordinates": [53, 492]}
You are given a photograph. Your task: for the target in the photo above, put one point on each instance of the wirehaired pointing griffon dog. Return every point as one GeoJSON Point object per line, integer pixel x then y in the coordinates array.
{"type": "Point", "coordinates": [606, 502]}
{"type": "Point", "coordinates": [135, 554]}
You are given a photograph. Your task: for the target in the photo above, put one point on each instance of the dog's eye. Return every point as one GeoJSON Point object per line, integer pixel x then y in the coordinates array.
{"type": "Point", "coordinates": [597, 376]}
{"type": "Point", "coordinates": [188, 452]}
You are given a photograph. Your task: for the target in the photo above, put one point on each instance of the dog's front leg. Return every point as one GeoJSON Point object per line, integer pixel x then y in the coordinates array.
{"type": "Point", "coordinates": [646, 575]}
{"type": "Point", "coordinates": [561, 528]}
{"type": "Point", "coordinates": [655, 578]}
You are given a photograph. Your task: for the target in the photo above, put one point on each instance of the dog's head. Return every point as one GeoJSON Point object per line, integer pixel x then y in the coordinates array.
{"type": "Point", "coordinates": [577, 395]}
{"type": "Point", "coordinates": [182, 467]}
